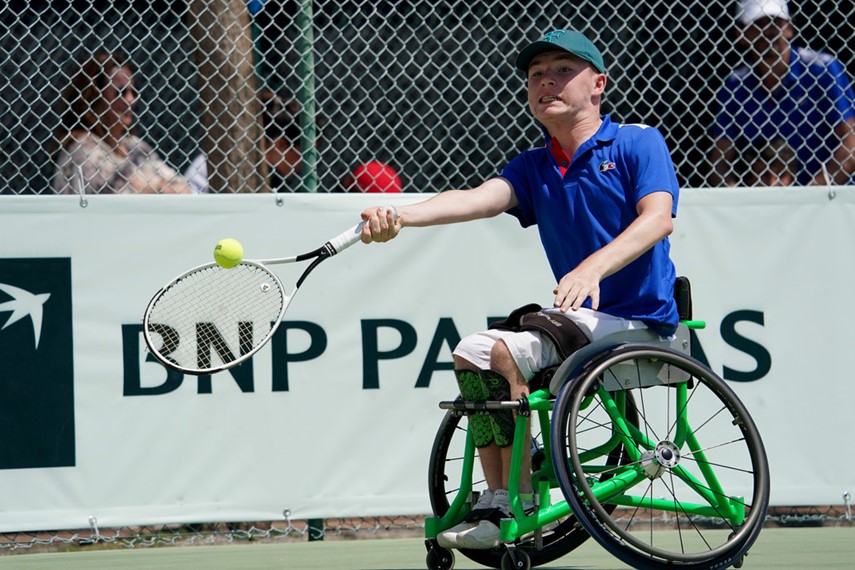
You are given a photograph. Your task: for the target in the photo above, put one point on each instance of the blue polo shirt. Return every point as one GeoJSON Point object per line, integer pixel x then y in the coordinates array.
{"type": "Point", "coordinates": [815, 97]}
{"type": "Point", "coordinates": [584, 209]}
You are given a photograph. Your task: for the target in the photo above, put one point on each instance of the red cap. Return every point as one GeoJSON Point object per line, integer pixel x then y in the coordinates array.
{"type": "Point", "coordinates": [376, 177]}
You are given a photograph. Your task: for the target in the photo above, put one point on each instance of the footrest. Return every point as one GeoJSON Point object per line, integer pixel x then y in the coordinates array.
{"type": "Point", "coordinates": [484, 405]}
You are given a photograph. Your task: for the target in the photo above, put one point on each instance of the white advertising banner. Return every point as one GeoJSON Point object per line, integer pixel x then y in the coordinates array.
{"type": "Point", "coordinates": [337, 415]}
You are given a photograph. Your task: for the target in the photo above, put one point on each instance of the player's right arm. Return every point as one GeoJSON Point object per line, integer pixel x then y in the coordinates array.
{"type": "Point", "coordinates": [452, 206]}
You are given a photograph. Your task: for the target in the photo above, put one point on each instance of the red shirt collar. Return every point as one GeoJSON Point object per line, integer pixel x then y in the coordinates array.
{"type": "Point", "coordinates": [561, 158]}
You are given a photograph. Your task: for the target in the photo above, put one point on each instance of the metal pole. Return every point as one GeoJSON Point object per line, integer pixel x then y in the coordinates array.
{"type": "Point", "coordinates": [306, 96]}
{"type": "Point", "coordinates": [316, 529]}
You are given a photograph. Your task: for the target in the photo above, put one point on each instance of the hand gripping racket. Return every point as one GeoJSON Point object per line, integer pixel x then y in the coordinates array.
{"type": "Point", "coordinates": [211, 318]}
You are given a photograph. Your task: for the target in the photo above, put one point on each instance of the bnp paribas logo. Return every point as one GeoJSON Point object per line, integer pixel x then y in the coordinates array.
{"type": "Point", "coordinates": [36, 363]}
{"type": "Point", "coordinates": [24, 304]}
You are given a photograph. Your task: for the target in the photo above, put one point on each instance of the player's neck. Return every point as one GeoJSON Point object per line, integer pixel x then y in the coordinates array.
{"type": "Point", "coordinates": [572, 136]}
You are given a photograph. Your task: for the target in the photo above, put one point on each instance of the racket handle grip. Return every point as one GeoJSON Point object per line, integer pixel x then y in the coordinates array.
{"type": "Point", "coordinates": [353, 235]}
{"type": "Point", "coordinates": [346, 239]}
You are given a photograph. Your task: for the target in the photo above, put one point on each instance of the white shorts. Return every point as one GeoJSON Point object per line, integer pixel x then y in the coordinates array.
{"type": "Point", "coordinates": [530, 350]}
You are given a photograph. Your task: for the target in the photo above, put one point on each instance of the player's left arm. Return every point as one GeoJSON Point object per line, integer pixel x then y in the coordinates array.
{"type": "Point", "coordinates": [653, 224]}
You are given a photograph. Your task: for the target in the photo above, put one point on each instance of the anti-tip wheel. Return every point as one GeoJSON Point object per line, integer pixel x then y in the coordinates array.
{"type": "Point", "coordinates": [439, 558]}
{"type": "Point", "coordinates": [516, 559]}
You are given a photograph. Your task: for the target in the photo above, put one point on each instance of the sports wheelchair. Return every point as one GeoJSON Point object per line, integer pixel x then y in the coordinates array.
{"type": "Point", "coordinates": [634, 443]}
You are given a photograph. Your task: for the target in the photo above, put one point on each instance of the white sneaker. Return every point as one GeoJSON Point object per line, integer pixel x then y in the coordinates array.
{"type": "Point", "coordinates": [501, 500]}
{"type": "Point", "coordinates": [482, 537]}
{"type": "Point", "coordinates": [448, 538]}
{"type": "Point", "coordinates": [485, 500]}
{"type": "Point", "coordinates": [486, 534]}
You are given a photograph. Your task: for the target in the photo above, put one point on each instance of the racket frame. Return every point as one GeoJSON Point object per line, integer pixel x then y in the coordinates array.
{"type": "Point", "coordinates": [149, 334]}
{"type": "Point", "coordinates": [330, 248]}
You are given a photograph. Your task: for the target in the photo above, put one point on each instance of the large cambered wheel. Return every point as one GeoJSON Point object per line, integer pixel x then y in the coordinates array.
{"type": "Point", "coordinates": [696, 492]}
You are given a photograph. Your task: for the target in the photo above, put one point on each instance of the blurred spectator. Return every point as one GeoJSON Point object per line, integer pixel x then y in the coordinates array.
{"type": "Point", "coordinates": [373, 177]}
{"type": "Point", "coordinates": [281, 147]}
{"type": "Point", "coordinates": [773, 164]}
{"type": "Point", "coordinates": [97, 146]}
{"type": "Point", "coordinates": [786, 92]}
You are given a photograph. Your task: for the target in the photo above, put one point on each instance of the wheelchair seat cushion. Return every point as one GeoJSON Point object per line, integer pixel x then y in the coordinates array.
{"type": "Point", "coordinates": [680, 341]}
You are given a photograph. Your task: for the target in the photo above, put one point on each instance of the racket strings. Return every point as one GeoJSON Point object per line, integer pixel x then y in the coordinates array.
{"type": "Point", "coordinates": [214, 315]}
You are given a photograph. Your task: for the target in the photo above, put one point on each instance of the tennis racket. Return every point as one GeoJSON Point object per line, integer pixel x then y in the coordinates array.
{"type": "Point", "coordinates": [210, 318]}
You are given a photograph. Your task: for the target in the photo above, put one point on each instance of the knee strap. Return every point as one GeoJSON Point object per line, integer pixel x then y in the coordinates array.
{"type": "Point", "coordinates": [502, 420]}
{"type": "Point", "coordinates": [563, 332]}
{"type": "Point", "coordinates": [472, 388]}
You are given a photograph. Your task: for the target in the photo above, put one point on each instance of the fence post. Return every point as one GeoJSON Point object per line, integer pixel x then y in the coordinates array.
{"type": "Point", "coordinates": [227, 90]}
{"type": "Point", "coordinates": [306, 96]}
{"type": "Point", "coordinates": [316, 529]}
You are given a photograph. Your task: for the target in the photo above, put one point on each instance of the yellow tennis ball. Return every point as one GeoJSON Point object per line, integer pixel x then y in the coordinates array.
{"type": "Point", "coordinates": [228, 253]}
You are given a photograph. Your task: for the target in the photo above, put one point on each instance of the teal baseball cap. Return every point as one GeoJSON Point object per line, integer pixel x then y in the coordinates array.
{"type": "Point", "coordinates": [562, 40]}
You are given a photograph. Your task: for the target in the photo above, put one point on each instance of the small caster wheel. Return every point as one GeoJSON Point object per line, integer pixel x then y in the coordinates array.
{"type": "Point", "coordinates": [741, 561]}
{"type": "Point", "coordinates": [439, 558]}
{"type": "Point", "coordinates": [515, 559]}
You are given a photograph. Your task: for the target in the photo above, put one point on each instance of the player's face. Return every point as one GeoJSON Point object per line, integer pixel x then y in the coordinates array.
{"type": "Point", "coordinates": [118, 102]}
{"type": "Point", "coordinates": [561, 85]}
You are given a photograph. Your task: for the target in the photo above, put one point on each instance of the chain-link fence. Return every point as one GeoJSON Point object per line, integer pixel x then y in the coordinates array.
{"type": "Point", "coordinates": [423, 86]}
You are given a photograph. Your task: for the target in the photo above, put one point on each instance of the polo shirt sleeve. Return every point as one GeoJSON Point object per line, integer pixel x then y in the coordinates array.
{"type": "Point", "coordinates": [515, 174]}
{"type": "Point", "coordinates": [652, 168]}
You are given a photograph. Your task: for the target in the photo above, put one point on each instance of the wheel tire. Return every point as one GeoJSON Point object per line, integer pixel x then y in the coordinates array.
{"type": "Point", "coordinates": [636, 535]}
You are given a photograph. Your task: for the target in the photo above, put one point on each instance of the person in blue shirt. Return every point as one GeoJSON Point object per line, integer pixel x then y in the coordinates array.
{"type": "Point", "coordinates": [602, 196]}
{"type": "Point", "coordinates": [785, 92]}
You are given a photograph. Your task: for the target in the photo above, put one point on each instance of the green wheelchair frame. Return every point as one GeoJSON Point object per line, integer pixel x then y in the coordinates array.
{"type": "Point", "coordinates": [624, 429]}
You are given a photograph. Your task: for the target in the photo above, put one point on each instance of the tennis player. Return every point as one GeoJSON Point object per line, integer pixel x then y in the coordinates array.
{"type": "Point", "coordinates": [603, 196]}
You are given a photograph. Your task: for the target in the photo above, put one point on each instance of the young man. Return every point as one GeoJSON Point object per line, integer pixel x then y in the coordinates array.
{"type": "Point", "coordinates": [603, 196]}
{"type": "Point", "coordinates": [786, 92]}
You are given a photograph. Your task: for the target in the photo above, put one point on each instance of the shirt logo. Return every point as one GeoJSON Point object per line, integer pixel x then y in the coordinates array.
{"type": "Point", "coordinates": [606, 165]}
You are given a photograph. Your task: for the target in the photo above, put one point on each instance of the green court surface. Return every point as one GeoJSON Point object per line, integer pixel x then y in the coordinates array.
{"type": "Point", "coordinates": [803, 548]}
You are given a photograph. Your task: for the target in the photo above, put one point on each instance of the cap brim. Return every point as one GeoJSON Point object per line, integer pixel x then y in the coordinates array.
{"type": "Point", "coordinates": [533, 50]}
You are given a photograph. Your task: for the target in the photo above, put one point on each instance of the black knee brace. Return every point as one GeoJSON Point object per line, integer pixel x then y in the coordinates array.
{"type": "Point", "coordinates": [472, 388]}
{"type": "Point", "coordinates": [502, 420]}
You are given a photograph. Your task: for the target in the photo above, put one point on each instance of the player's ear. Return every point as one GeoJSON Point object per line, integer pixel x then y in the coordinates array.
{"type": "Point", "coordinates": [599, 86]}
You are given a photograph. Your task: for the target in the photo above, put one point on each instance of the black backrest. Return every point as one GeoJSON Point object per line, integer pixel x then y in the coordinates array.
{"type": "Point", "coordinates": [683, 296]}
